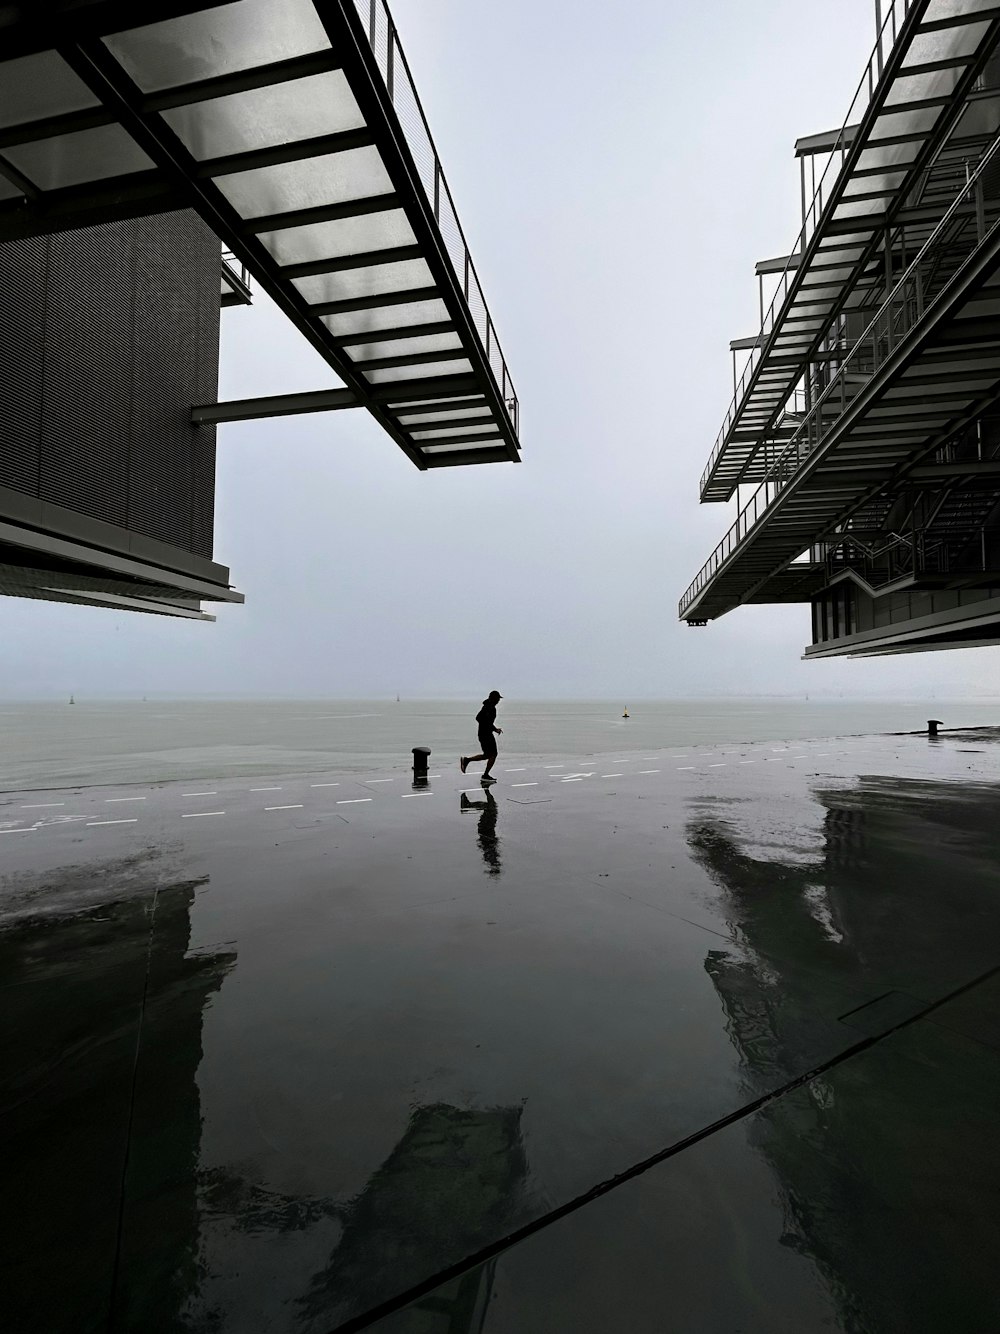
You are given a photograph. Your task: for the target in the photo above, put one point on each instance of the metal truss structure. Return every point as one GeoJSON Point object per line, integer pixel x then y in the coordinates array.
{"type": "Point", "coordinates": [295, 131]}
{"type": "Point", "coordinates": [863, 442]}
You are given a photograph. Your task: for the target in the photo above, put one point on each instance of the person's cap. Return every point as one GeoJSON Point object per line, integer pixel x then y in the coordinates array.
{"type": "Point", "coordinates": [495, 694]}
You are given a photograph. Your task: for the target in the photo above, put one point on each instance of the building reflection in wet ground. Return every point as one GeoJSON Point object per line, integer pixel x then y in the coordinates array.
{"type": "Point", "coordinates": [882, 1184]}
{"type": "Point", "coordinates": [301, 1139]}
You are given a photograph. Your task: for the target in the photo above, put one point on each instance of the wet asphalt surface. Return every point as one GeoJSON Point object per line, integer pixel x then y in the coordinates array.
{"type": "Point", "coordinates": [705, 1039]}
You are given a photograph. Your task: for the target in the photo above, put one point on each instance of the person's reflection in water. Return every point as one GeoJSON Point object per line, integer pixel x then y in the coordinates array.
{"type": "Point", "coordinates": [489, 844]}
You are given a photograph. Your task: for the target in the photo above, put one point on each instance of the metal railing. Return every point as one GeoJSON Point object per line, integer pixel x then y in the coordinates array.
{"type": "Point", "coordinates": [904, 307]}
{"type": "Point", "coordinates": [381, 32]}
{"type": "Point", "coordinates": [889, 31]}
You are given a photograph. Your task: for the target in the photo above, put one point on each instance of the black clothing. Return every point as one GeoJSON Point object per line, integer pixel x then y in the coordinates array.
{"type": "Point", "coordinates": [487, 716]}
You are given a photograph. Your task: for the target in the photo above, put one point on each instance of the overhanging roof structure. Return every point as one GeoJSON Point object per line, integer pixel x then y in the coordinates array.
{"type": "Point", "coordinates": [883, 342]}
{"type": "Point", "coordinates": [294, 129]}
{"type": "Point", "coordinates": [917, 89]}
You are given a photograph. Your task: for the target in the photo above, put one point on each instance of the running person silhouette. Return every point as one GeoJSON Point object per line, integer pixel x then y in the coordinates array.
{"type": "Point", "coordinates": [486, 718]}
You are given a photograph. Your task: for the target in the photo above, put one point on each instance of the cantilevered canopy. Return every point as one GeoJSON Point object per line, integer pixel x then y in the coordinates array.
{"type": "Point", "coordinates": [880, 171]}
{"type": "Point", "coordinates": [293, 128]}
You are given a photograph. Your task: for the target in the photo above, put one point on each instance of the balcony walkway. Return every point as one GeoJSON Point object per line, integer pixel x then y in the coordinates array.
{"type": "Point", "coordinates": [297, 135]}
{"type": "Point", "coordinates": [922, 369]}
{"type": "Point", "coordinates": [914, 91]}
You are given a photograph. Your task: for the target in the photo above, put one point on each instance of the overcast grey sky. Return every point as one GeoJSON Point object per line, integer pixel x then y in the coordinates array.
{"type": "Point", "coordinates": [617, 174]}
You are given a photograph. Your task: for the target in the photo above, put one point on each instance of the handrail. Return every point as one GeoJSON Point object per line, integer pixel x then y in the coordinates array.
{"type": "Point", "coordinates": [810, 222]}
{"type": "Point", "coordinates": [380, 30]}
{"type": "Point", "coordinates": [780, 471]}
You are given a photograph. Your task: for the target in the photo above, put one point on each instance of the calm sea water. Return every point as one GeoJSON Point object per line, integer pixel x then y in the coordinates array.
{"type": "Point", "coordinates": [58, 744]}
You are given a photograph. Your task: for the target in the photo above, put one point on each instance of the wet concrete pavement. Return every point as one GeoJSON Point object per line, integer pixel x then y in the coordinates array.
{"type": "Point", "coordinates": [700, 1040]}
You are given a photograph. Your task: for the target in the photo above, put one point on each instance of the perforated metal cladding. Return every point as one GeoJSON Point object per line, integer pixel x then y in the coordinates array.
{"type": "Point", "coordinates": [22, 297]}
{"type": "Point", "coordinates": [110, 334]}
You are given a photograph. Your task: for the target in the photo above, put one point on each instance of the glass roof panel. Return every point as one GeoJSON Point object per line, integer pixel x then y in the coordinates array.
{"type": "Point", "coordinates": [919, 121]}
{"type": "Point", "coordinates": [218, 41]}
{"type": "Point", "coordinates": [418, 372]}
{"type": "Point", "coordinates": [86, 155]}
{"type": "Point", "coordinates": [451, 449]}
{"type": "Point", "coordinates": [945, 43]}
{"type": "Point", "coordinates": [886, 181]}
{"type": "Point", "coordinates": [450, 433]}
{"type": "Point", "coordinates": [263, 117]}
{"type": "Point", "coordinates": [859, 208]}
{"type": "Point", "coordinates": [889, 155]}
{"type": "Point", "coordinates": [334, 178]}
{"type": "Point", "coordinates": [41, 85]}
{"type": "Point", "coordinates": [416, 418]}
{"type": "Point", "coordinates": [402, 347]}
{"type": "Point", "coordinates": [386, 317]}
{"type": "Point", "coordinates": [939, 10]}
{"type": "Point", "coordinates": [917, 87]}
{"type": "Point", "coordinates": [375, 280]}
{"type": "Point", "coordinates": [345, 236]}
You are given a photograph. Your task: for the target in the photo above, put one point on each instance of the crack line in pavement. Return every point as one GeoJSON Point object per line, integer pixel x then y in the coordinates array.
{"type": "Point", "coordinates": [639, 1169]}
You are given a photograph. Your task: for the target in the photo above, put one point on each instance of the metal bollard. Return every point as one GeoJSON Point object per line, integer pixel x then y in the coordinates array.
{"type": "Point", "coordinates": [421, 755]}
{"type": "Point", "coordinates": [932, 726]}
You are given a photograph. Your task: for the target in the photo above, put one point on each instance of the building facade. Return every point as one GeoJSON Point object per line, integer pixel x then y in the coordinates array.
{"type": "Point", "coordinates": [862, 446]}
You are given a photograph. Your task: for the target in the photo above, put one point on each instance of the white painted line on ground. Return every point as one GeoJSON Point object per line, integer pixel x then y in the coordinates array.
{"type": "Point", "coordinates": [550, 766]}
{"type": "Point", "coordinates": [748, 761]}
{"type": "Point", "coordinates": [564, 780]}
{"type": "Point", "coordinates": [611, 775]}
{"type": "Point", "coordinates": [417, 794]}
{"type": "Point", "coordinates": [91, 823]}
{"type": "Point", "coordinates": [197, 815]}
{"type": "Point", "coordinates": [29, 830]}
{"type": "Point", "coordinates": [681, 767]}
{"type": "Point", "coordinates": [433, 775]}
{"type": "Point", "coordinates": [213, 793]}
{"type": "Point", "coordinates": [719, 764]}
{"type": "Point", "coordinates": [821, 753]}
{"type": "Point", "coordinates": [526, 784]}
{"type": "Point", "coordinates": [265, 789]}
{"type": "Point", "coordinates": [387, 780]}
{"type": "Point", "coordinates": [296, 806]}
{"type": "Point", "coordinates": [522, 770]}
{"type": "Point", "coordinates": [324, 785]}
{"type": "Point", "coordinates": [112, 799]}
{"type": "Point", "coordinates": [649, 771]}
{"type": "Point", "coordinates": [353, 801]}
{"type": "Point", "coordinates": [772, 759]}
{"type": "Point", "coordinates": [41, 805]}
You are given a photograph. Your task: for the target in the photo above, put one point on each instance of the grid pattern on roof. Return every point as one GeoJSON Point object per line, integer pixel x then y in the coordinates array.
{"type": "Point", "coordinates": [924, 366]}
{"type": "Point", "coordinates": [296, 131]}
{"type": "Point", "coordinates": [925, 58]}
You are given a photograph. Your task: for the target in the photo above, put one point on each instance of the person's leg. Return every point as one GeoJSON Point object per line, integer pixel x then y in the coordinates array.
{"type": "Point", "coordinates": [490, 761]}
{"type": "Point", "coordinates": [472, 759]}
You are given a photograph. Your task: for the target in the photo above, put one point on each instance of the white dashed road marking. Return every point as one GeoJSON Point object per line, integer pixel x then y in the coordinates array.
{"type": "Point", "coordinates": [524, 784]}
{"type": "Point", "coordinates": [681, 767]}
{"type": "Point", "coordinates": [91, 823]}
{"type": "Point", "coordinates": [200, 794]}
{"type": "Point", "coordinates": [28, 830]}
{"type": "Point", "coordinates": [197, 815]}
{"type": "Point", "coordinates": [353, 801]}
{"type": "Point", "coordinates": [649, 771]}
{"type": "Point", "coordinates": [324, 785]}
{"type": "Point", "coordinates": [719, 764]}
{"type": "Point", "coordinates": [112, 799]}
{"type": "Point", "coordinates": [42, 805]}
{"type": "Point", "coordinates": [296, 806]}
{"type": "Point", "coordinates": [265, 789]}
{"type": "Point", "coordinates": [516, 771]}
{"type": "Point", "coordinates": [417, 794]}
{"type": "Point", "coordinates": [387, 780]}
{"type": "Point", "coordinates": [611, 775]}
